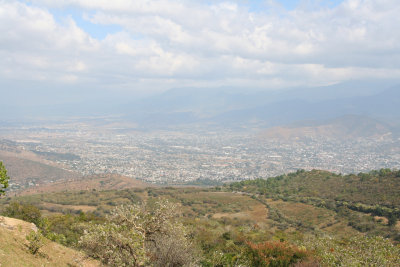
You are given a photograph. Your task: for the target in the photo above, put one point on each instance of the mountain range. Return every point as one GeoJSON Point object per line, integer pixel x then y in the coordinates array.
{"type": "Point", "coordinates": [225, 107]}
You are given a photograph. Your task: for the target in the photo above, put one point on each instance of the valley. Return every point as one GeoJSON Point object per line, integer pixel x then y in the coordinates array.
{"type": "Point", "coordinates": [71, 150]}
{"type": "Point", "coordinates": [200, 133]}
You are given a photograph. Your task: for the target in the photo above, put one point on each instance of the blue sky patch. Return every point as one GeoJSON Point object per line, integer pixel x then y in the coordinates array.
{"type": "Point", "coordinates": [262, 5]}
{"type": "Point", "coordinates": [97, 31]}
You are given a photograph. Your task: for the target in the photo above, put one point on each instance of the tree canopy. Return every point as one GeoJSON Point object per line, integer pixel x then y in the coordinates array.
{"type": "Point", "coordinates": [4, 178]}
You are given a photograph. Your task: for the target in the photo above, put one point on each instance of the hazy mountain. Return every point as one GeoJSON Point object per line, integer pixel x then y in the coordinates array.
{"type": "Point", "coordinates": [221, 107]}
{"type": "Point", "coordinates": [211, 101]}
{"type": "Point", "coordinates": [384, 105]}
{"type": "Point", "coordinates": [345, 127]}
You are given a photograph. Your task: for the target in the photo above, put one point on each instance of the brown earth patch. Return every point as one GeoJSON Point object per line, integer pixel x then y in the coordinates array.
{"type": "Point", "coordinates": [381, 218]}
{"type": "Point", "coordinates": [257, 213]}
{"type": "Point", "coordinates": [84, 208]}
{"type": "Point", "coordinates": [98, 182]}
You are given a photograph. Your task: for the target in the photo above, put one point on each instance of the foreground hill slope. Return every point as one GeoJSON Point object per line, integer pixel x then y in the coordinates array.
{"type": "Point", "coordinates": [318, 212]}
{"type": "Point", "coordinates": [14, 250]}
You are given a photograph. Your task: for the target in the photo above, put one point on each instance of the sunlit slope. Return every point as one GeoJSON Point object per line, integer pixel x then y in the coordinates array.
{"type": "Point", "coordinates": [14, 250]}
{"type": "Point", "coordinates": [31, 171]}
{"type": "Point", "coordinates": [97, 182]}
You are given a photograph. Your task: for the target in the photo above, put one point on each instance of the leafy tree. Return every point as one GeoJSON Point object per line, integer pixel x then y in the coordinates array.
{"type": "Point", "coordinates": [4, 178]}
{"type": "Point", "coordinates": [137, 235]}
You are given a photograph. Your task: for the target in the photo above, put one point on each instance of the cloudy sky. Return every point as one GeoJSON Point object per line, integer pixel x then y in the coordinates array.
{"type": "Point", "coordinates": [143, 46]}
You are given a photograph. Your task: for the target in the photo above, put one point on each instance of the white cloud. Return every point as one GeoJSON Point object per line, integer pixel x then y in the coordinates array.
{"type": "Point", "coordinates": [37, 47]}
{"type": "Point", "coordinates": [177, 42]}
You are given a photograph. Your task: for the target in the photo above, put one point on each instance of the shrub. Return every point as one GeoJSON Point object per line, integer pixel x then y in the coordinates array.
{"type": "Point", "coordinates": [4, 178]}
{"type": "Point", "coordinates": [24, 212]}
{"type": "Point", "coordinates": [275, 253]}
{"type": "Point", "coordinates": [135, 235]}
{"type": "Point", "coordinates": [36, 241]}
{"type": "Point", "coordinates": [355, 251]}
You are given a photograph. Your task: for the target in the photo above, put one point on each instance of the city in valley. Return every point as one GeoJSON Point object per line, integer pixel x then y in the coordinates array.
{"type": "Point", "coordinates": [184, 157]}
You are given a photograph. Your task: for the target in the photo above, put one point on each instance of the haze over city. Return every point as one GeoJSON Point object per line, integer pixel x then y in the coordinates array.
{"type": "Point", "coordinates": [178, 91]}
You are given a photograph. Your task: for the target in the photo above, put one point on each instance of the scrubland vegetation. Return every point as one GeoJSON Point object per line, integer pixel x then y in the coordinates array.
{"type": "Point", "coordinates": [311, 218]}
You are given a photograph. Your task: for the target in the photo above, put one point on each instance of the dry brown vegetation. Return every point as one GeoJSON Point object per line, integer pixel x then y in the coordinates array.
{"type": "Point", "coordinates": [14, 251]}
{"type": "Point", "coordinates": [24, 166]}
{"type": "Point", "coordinates": [97, 182]}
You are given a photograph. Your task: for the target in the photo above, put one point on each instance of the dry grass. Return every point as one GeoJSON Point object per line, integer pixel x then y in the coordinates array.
{"type": "Point", "coordinates": [306, 213]}
{"type": "Point", "coordinates": [17, 225]}
{"type": "Point", "coordinates": [98, 182]}
{"type": "Point", "coordinates": [84, 208]}
{"type": "Point", "coordinates": [14, 250]}
{"type": "Point", "coordinates": [257, 213]}
{"type": "Point", "coordinates": [384, 220]}
{"type": "Point", "coordinates": [22, 168]}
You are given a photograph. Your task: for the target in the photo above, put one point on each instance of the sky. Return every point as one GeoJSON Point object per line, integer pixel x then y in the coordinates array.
{"type": "Point", "coordinates": [123, 47]}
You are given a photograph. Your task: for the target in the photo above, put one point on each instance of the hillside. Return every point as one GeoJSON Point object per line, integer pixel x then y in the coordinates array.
{"type": "Point", "coordinates": [28, 170]}
{"type": "Point", "coordinates": [374, 188]}
{"type": "Point", "coordinates": [97, 182]}
{"type": "Point", "coordinates": [368, 202]}
{"type": "Point", "coordinates": [342, 128]}
{"type": "Point", "coordinates": [14, 251]}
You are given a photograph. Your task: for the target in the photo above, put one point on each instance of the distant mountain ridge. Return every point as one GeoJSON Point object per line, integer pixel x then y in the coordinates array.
{"type": "Point", "coordinates": [345, 127]}
{"type": "Point", "coordinates": [223, 108]}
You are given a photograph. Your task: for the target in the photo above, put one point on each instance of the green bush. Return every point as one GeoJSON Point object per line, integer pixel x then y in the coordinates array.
{"type": "Point", "coordinates": [24, 212]}
{"type": "Point", "coordinates": [36, 241]}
